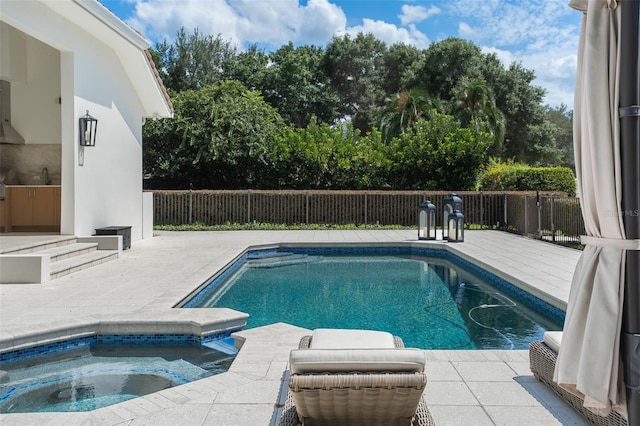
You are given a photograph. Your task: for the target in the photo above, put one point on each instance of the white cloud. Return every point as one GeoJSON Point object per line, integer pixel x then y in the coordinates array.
{"type": "Point", "coordinates": [416, 13]}
{"type": "Point", "coordinates": [466, 31]}
{"type": "Point", "coordinates": [390, 33]}
{"type": "Point", "coordinates": [506, 57]}
{"type": "Point", "coordinates": [244, 22]}
{"type": "Point", "coordinates": [542, 35]}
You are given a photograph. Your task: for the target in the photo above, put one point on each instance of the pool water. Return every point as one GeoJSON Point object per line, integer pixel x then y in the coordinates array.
{"type": "Point", "coordinates": [87, 378]}
{"type": "Point", "coordinates": [430, 302]}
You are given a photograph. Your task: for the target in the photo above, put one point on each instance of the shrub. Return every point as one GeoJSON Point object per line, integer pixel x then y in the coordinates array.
{"type": "Point", "coordinates": [520, 177]}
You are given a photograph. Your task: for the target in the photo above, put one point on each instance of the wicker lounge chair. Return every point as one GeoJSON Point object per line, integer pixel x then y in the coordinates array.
{"type": "Point", "coordinates": [542, 358]}
{"type": "Point", "coordinates": [371, 384]}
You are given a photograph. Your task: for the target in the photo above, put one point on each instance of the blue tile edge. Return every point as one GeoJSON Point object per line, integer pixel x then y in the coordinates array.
{"type": "Point", "coordinates": [501, 284]}
{"type": "Point", "coordinates": [112, 339]}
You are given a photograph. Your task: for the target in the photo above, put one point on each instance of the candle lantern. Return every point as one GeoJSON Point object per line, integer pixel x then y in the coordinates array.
{"type": "Point", "coordinates": [451, 203]}
{"type": "Point", "coordinates": [426, 221]}
{"type": "Point", "coordinates": [456, 227]}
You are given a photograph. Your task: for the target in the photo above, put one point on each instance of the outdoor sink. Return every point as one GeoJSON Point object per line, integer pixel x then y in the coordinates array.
{"type": "Point", "coordinates": [34, 180]}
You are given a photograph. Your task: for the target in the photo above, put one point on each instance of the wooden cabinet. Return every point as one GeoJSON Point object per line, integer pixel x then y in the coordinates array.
{"type": "Point", "coordinates": [33, 208]}
{"type": "Point", "coordinates": [2, 215]}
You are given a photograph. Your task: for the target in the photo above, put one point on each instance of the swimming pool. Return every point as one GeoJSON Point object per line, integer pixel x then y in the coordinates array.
{"type": "Point", "coordinates": [81, 375]}
{"type": "Point", "coordinates": [430, 298]}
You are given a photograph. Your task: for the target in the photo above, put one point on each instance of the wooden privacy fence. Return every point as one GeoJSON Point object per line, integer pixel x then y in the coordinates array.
{"type": "Point", "coordinates": [547, 216]}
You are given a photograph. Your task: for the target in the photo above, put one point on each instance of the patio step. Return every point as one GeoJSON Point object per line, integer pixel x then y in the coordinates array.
{"type": "Point", "coordinates": [69, 250]}
{"type": "Point", "coordinates": [33, 244]}
{"type": "Point", "coordinates": [79, 262]}
{"type": "Point", "coordinates": [66, 254]}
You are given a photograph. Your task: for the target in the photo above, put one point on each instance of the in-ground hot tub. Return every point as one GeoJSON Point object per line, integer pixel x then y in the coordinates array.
{"type": "Point", "coordinates": [91, 365]}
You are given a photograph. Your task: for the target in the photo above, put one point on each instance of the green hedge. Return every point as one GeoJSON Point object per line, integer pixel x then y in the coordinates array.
{"type": "Point", "coordinates": [520, 177]}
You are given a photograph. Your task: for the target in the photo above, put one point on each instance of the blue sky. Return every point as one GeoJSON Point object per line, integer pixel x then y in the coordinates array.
{"type": "Point", "coordinates": [540, 34]}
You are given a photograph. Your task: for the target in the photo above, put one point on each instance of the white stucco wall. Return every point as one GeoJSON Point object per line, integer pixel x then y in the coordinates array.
{"type": "Point", "coordinates": [103, 187]}
{"type": "Point", "coordinates": [108, 176]}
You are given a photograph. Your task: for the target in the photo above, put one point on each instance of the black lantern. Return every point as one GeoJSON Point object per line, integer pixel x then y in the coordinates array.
{"type": "Point", "coordinates": [456, 227]}
{"type": "Point", "coordinates": [88, 127]}
{"type": "Point", "coordinates": [426, 221]}
{"type": "Point", "coordinates": [451, 203]}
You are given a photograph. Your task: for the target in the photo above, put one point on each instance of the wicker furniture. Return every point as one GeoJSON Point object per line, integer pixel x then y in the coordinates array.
{"type": "Point", "coordinates": [351, 397]}
{"type": "Point", "coordinates": [542, 359]}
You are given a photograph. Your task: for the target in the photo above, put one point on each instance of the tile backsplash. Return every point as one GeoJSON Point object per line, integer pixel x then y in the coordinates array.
{"type": "Point", "coordinates": [29, 160]}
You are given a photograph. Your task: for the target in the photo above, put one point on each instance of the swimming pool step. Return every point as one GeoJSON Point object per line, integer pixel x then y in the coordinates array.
{"type": "Point", "coordinates": [225, 346]}
{"type": "Point", "coordinates": [283, 260]}
{"type": "Point", "coordinates": [269, 255]}
{"type": "Point", "coordinates": [81, 261]}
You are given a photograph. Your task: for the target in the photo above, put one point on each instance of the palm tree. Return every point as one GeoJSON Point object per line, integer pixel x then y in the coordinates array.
{"type": "Point", "coordinates": [477, 107]}
{"type": "Point", "coordinates": [403, 111]}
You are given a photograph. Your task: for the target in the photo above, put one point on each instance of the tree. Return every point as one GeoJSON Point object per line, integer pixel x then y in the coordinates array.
{"type": "Point", "coordinates": [325, 157]}
{"type": "Point", "coordinates": [248, 67]}
{"type": "Point", "coordinates": [399, 61]}
{"type": "Point", "coordinates": [221, 137]}
{"type": "Point", "coordinates": [445, 64]}
{"type": "Point", "coordinates": [404, 110]}
{"type": "Point", "coordinates": [478, 110]}
{"type": "Point", "coordinates": [541, 149]}
{"type": "Point", "coordinates": [521, 104]}
{"type": "Point", "coordinates": [439, 155]}
{"type": "Point", "coordinates": [562, 118]}
{"type": "Point", "coordinates": [356, 72]}
{"type": "Point", "coordinates": [192, 61]}
{"type": "Point", "coordinates": [298, 86]}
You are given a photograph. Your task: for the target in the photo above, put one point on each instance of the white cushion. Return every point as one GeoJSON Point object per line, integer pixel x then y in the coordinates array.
{"type": "Point", "coordinates": [553, 339]}
{"type": "Point", "coordinates": [333, 338]}
{"type": "Point", "coordinates": [303, 361]}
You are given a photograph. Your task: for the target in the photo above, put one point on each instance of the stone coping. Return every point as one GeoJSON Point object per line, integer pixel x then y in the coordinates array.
{"type": "Point", "coordinates": [197, 322]}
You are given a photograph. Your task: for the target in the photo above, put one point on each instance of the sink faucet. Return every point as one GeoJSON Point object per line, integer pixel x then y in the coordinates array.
{"type": "Point", "coordinates": [44, 175]}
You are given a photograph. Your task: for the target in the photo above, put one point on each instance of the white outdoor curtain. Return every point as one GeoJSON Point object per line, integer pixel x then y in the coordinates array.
{"type": "Point", "coordinates": [589, 357]}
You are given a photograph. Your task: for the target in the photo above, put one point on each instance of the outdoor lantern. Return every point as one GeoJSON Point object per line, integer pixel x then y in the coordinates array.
{"type": "Point", "coordinates": [88, 127]}
{"type": "Point", "coordinates": [456, 227]}
{"type": "Point", "coordinates": [426, 221]}
{"type": "Point", "coordinates": [451, 203]}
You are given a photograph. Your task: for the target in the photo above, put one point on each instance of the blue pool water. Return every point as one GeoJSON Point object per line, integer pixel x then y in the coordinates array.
{"type": "Point", "coordinates": [91, 377]}
{"type": "Point", "coordinates": [431, 302]}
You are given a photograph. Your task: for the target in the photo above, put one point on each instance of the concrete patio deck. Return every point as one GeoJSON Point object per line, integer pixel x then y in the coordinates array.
{"type": "Point", "coordinates": [484, 387]}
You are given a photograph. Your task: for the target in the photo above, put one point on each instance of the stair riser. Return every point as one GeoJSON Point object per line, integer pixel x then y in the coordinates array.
{"type": "Point", "coordinates": [71, 254]}
{"type": "Point", "coordinates": [77, 268]}
{"type": "Point", "coordinates": [38, 248]}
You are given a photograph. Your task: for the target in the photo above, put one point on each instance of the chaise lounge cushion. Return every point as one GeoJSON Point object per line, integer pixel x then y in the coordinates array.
{"type": "Point", "coordinates": [324, 338]}
{"type": "Point", "coordinates": [305, 361]}
{"type": "Point", "coordinates": [553, 339]}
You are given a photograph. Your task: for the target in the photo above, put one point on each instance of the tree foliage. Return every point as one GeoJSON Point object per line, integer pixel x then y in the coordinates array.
{"type": "Point", "coordinates": [404, 110]}
{"type": "Point", "coordinates": [511, 176]}
{"type": "Point", "coordinates": [354, 114]}
{"type": "Point", "coordinates": [298, 86]}
{"type": "Point", "coordinates": [440, 155]}
{"type": "Point", "coordinates": [324, 157]}
{"type": "Point", "coordinates": [193, 60]}
{"type": "Point", "coordinates": [356, 71]}
{"type": "Point", "coordinates": [477, 107]}
{"type": "Point", "coordinates": [221, 137]}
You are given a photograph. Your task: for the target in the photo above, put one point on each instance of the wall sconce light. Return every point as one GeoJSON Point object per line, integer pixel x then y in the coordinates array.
{"type": "Point", "coordinates": [88, 127]}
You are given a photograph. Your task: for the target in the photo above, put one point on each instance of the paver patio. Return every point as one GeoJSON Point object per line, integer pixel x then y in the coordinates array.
{"type": "Point", "coordinates": [491, 387]}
